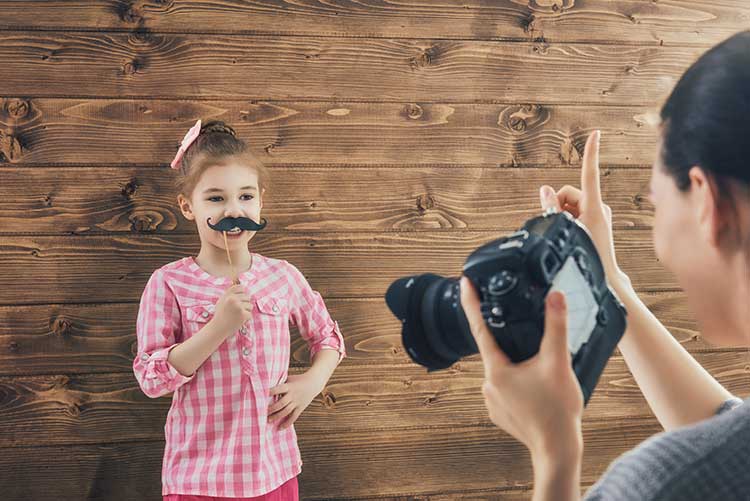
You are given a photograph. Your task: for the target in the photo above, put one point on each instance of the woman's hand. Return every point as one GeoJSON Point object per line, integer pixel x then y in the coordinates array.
{"type": "Point", "coordinates": [296, 394]}
{"type": "Point", "coordinates": [586, 204]}
{"type": "Point", "coordinates": [539, 400]}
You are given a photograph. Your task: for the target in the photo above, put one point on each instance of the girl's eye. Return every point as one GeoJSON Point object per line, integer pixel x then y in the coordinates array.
{"type": "Point", "coordinates": [218, 198]}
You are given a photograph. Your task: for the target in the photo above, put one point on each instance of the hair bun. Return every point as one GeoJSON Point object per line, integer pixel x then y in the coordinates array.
{"type": "Point", "coordinates": [218, 127]}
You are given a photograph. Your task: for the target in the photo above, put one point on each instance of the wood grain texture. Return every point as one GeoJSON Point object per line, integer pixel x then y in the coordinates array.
{"type": "Point", "coordinates": [102, 408]}
{"type": "Point", "coordinates": [147, 131]}
{"type": "Point", "coordinates": [634, 21]}
{"type": "Point", "coordinates": [400, 136]}
{"type": "Point", "coordinates": [143, 64]}
{"type": "Point", "coordinates": [343, 466]}
{"type": "Point", "coordinates": [83, 269]}
{"type": "Point", "coordinates": [100, 338]}
{"type": "Point", "coordinates": [124, 200]}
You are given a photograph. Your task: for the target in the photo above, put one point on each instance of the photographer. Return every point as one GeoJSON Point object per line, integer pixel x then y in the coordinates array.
{"type": "Point", "coordinates": [700, 188]}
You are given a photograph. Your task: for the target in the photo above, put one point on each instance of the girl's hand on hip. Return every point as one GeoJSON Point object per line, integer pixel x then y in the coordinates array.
{"type": "Point", "coordinates": [295, 395]}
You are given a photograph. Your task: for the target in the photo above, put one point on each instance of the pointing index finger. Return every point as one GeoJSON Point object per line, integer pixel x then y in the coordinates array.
{"type": "Point", "coordinates": [590, 170]}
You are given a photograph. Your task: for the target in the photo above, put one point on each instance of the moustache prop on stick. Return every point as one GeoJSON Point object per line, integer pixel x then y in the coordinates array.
{"type": "Point", "coordinates": [229, 223]}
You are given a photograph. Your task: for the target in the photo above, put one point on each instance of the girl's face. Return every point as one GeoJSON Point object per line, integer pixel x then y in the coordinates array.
{"type": "Point", "coordinates": [224, 191]}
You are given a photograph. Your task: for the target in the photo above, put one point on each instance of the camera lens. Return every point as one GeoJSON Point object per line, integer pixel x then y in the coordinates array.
{"type": "Point", "coordinates": [435, 330]}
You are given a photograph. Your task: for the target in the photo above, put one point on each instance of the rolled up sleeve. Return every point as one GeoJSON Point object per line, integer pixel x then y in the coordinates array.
{"type": "Point", "coordinates": [156, 330]}
{"type": "Point", "coordinates": [309, 313]}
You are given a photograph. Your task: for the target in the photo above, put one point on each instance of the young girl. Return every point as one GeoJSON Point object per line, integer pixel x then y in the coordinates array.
{"type": "Point", "coordinates": [214, 329]}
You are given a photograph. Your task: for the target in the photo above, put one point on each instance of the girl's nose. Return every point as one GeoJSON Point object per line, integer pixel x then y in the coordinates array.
{"type": "Point", "coordinates": [233, 209]}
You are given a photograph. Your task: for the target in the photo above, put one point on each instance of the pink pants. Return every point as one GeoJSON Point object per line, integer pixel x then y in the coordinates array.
{"type": "Point", "coordinates": [288, 491]}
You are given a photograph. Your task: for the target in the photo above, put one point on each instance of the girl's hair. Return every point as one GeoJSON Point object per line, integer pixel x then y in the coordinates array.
{"type": "Point", "coordinates": [706, 119]}
{"type": "Point", "coordinates": [217, 144]}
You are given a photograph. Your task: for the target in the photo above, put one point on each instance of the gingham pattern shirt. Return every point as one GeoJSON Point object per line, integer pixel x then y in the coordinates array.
{"type": "Point", "coordinates": [218, 439]}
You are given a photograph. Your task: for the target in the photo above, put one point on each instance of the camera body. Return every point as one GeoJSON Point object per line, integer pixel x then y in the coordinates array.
{"type": "Point", "coordinates": [513, 276]}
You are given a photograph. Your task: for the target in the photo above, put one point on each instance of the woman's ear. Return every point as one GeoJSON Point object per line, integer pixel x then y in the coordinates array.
{"type": "Point", "coordinates": [185, 207]}
{"type": "Point", "coordinates": [713, 212]}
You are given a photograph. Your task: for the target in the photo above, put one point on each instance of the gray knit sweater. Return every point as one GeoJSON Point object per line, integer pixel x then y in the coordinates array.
{"type": "Point", "coordinates": [702, 462]}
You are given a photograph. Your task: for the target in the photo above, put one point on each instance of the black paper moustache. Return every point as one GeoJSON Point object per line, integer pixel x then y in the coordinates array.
{"type": "Point", "coordinates": [243, 223]}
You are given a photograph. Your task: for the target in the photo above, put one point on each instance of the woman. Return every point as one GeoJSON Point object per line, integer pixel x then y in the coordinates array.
{"type": "Point", "coordinates": [700, 188]}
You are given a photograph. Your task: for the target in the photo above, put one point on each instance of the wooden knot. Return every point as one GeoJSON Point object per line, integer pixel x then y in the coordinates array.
{"type": "Point", "coordinates": [129, 13]}
{"type": "Point", "coordinates": [61, 326]}
{"type": "Point", "coordinates": [142, 36]}
{"type": "Point", "coordinates": [570, 152]}
{"type": "Point", "coordinates": [130, 188]}
{"type": "Point", "coordinates": [524, 117]}
{"type": "Point", "coordinates": [74, 409]}
{"type": "Point", "coordinates": [518, 124]}
{"type": "Point", "coordinates": [10, 148]}
{"type": "Point", "coordinates": [540, 48]}
{"type": "Point", "coordinates": [13, 347]}
{"type": "Point", "coordinates": [425, 202]}
{"type": "Point", "coordinates": [17, 108]}
{"type": "Point", "coordinates": [638, 200]}
{"type": "Point", "coordinates": [424, 59]}
{"type": "Point", "coordinates": [413, 111]}
{"type": "Point", "coordinates": [329, 400]}
{"type": "Point", "coordinates": [430, 400]}
{"type": "Point", "coordinates": [269, 148]}
{"type": "Point", "coordinates": [142, 223]}
{"type": "Point", "coordinates": [557, 6]}
{"type": "Point", "coordinates": [528, 24]}
{"type": "Point", "coordinates": [132, 67]}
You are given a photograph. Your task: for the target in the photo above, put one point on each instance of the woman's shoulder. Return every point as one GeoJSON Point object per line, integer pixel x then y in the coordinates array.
{"type": "Point", "coordinates": [704, 461]}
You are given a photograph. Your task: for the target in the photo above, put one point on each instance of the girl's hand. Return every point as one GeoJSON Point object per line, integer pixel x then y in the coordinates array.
{"type": "Point", "coordinates": [586, 204]}
{"type": "Point", "coordinates": [296, 395]}
{"type": "Point", "coordinates": [538, 401]}
{"type": "Point", "coordinates": [233, 309]}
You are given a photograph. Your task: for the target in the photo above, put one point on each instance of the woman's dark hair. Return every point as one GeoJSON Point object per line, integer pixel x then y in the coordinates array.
{"type": "Point", "coordinates": [217, 144]}
{"type": "Point", "coordinates": [706, 119]}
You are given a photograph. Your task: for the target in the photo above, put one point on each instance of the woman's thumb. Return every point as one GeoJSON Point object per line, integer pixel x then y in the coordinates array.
{"type": "Point", "coordinates": [555, 338]}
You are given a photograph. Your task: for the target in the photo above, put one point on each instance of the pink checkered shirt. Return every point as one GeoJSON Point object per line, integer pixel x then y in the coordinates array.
{"type": "Point", "coordinates": [218, 439]}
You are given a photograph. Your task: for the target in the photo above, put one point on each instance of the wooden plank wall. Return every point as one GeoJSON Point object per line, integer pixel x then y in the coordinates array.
{"type": "Point", "coordinates": [400, 136]}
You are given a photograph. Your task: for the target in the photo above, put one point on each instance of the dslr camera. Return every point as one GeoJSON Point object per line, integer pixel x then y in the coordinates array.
{"type": "Point", "coordinates": [513, 275]}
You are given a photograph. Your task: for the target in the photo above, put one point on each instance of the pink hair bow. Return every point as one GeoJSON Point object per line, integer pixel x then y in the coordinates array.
{"type": "Point", "coordinates": [191, 135]}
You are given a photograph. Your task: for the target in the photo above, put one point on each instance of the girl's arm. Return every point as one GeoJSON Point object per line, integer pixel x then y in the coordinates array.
{"type": "Point", "coordinates": [322, 367]}
{"type": "Point", "coordinates": [187, 356]}
{"type": "Point", "coordinates": [157, 327]}
{"type": "Point", "coordinates": [323, 336]}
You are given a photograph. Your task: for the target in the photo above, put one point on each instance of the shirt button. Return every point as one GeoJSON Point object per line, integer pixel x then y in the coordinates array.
{"type": "Point", "coordinates": [144, 357]}
{"type": "Point", "coordinates": [243, 330]}
{"type": "Point", "coordinates": [205, 314]}
{"type": "Point", "coordinates": [275, 308]}
{"type": "Point", "coordinates": [245, 351]}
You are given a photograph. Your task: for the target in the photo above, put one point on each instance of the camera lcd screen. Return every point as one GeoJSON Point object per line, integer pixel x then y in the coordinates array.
{"type": "Point", "coordinates": [582, 307]}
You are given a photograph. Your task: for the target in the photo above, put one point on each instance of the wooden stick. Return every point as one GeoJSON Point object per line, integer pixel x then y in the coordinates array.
{"type": "Point", "coordinates": [235, 280]}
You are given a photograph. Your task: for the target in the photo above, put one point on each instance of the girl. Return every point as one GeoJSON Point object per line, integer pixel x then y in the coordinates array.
{"type": "Point", "coordinates": [214, 329]}
{"type": "Point", "coordinates": [700, 188]}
